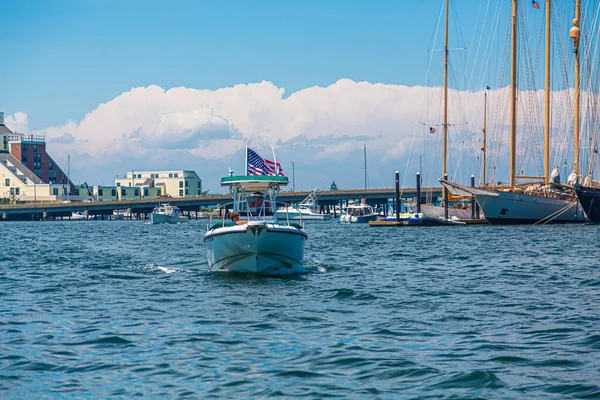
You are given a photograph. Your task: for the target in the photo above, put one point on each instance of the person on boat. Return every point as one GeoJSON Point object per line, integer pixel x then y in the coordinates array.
{"type": "Point", "coordinates": [235, 216]}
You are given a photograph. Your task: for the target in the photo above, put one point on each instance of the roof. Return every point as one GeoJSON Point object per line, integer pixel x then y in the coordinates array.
{"type": "Point", "coordinates": [4, 129]}
{"type": "Point", "coordinates": [257, 182]}
{"type": "Point", "coordinates": [21, 168]}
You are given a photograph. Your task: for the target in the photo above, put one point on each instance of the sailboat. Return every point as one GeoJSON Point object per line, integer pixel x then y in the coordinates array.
{"type": "Point", "coordinates": [533, 203]}
{"type": "Point", "coordinates": [431, 213]}
{"type": "Point", "coordinates": [588, 192]}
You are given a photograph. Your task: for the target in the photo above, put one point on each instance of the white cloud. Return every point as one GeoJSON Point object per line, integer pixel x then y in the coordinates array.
{"type": "Point", "coordinates": [323, 128]}
{"type": "Point", "coordinates": [17, 122]}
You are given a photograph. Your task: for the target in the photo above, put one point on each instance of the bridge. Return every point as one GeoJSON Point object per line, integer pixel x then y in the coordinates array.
{"type": "Point", "coordinates": [40, 210]}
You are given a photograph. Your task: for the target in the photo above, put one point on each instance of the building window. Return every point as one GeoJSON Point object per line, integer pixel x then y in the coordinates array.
{"type": "Point", "coordinates": [76, 192]}
{"type": "Point", "coordinates": [170, 175]}
{"type": "Point", "coordinates": [55, 191]}
{"type": "Point", "coordinates": [186, 192]}
{"type": "Point", "coordinates": [199, 185]}
{"type": "Point", "coordinates": [176, 175]}
{"type": "Point", "coordinates": [100, 192]}
{"type": "Point", "coordinates": [113, 192]}
{"type": "Point", "coordinates": [12, 191]}
{"type": "Point", "coordinates": [118, 184]}
{"type": "Point", "coordinates": [180, 184]}
{"type": "Point", "coordinates": [17, 191]}
{"type": "Point", "coordinates": [24, 147]}
{"type": "Point", "coordinates": [140, 176]}
{"type": "Point", "coordinates": [181, 192]}
{"type": "Point", "coordinates": [49, 165]}
{"type": "Point", "coordinates": [24, 157]}
{"type": "Point", "coordinates": [187, 183]}
{"type": "Point", "coordinates": [7, 182]}
{"type": "Point", "coordinates": [123, 192]}
{"type": "Point", "coordinates": [145, 192]}
{"type": "Point", "coordinates": [35, 147]}
{"type": "Point", "coordinates": [136, 192]}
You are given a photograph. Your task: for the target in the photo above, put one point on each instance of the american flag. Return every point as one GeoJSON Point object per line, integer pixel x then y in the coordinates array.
{"type": "Point", "coordinates": [256, 164]}
{"type": "Point", "coordinates": [272, 168]}
{"type": "Point", "coordinates": [432, 129]}
{"type": "Point", "coordinates": [535, 4]}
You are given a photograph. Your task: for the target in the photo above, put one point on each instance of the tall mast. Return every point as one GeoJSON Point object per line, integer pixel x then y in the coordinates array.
{"type": "Point", "coordinates": [513, 98]}
{"type": "Point", "coordinates": [547, 99]}
{"type": "Point", "coordinates": [446, 91]}
{"type": "Point", "coordinates": [484, 129]}
{"type": "Point", "coordinates": [365, 158]}
{"type": "Point", "coordinates": [575, 34]}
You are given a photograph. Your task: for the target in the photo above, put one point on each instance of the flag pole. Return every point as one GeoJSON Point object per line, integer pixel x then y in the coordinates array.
{"type": "Point", "coordinates": [275, 161]}
{"type": "Point", "coordinates": [246, 161]}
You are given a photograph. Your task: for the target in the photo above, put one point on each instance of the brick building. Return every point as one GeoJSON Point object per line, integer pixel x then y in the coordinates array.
{"type": "Point", "coordinates": [30, 151]}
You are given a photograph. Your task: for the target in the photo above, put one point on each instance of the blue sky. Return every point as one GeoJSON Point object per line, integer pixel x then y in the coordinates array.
{"type": "Point", "coordinates": [348, 68]}
{"type": "Point", "coordinates": [62, 58]}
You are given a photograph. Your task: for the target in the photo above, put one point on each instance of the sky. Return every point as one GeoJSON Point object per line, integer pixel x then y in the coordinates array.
{"type": "Point", "coordinates": [187, 85]}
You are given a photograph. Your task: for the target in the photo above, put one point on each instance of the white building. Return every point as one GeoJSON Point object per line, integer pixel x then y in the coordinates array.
{"type": "Point", "coordinates": [170, 183]}
{"type": "Point", "coordinates": [19, 183]}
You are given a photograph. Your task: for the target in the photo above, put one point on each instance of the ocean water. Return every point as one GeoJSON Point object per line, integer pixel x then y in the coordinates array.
{"type": "Point", "coordinates": [119, 309]}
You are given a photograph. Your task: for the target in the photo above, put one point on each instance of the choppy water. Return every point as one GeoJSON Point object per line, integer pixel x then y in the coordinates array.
{"type": "Point", "coordinates": [122, 309]}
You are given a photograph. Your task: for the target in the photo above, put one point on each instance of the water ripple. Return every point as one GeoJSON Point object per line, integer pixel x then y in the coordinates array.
{"type": "Point", "coordinates": [129, 310]}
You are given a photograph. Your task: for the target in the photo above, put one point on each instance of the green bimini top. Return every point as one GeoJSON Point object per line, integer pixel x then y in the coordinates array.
{"type": "Point", "coordinates": [254, 181]}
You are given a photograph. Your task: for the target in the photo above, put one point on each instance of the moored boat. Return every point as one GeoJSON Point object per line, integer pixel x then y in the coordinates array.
{"type": "Point", "coordinates": [589, 198]}
{"type": "Point", "coordinates": [306, 210]}
{"type": "Point", "coordinates": [361, 213]}
{"type": "Point", "coordinates": [517, 206]}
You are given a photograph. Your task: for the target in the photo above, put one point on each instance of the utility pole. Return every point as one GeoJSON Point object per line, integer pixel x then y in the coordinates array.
{"type": "Point", "coordinates": [293, 177]}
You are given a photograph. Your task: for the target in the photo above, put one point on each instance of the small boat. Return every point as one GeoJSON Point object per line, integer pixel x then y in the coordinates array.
{"type": "Point", "coordinates": [410, 218]}
{"type": "Point", "coordinates": [306, 210]}
{"type": "Point", "coordinates": [356, 214]}
{"type": "Point", "coordinates": [78, 216]}
{"type": "Point", "coordinates": [166, 214]}
{"type": "Point", "coordinates": [262, 242]}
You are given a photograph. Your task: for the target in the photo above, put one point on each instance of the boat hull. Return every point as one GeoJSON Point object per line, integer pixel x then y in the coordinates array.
{"type": "Point", "coordinates": [508, 208]}
{"type": "Point", "coordinates": [165, 219]}
{"type": "Point", "coordinates": [438, 212]}
{"type": "Point", "coordinates": [358, 219]}
{"type": "Point", "coordinates": [261, 248]}
{"type": "Point", "coordinates": [295, 216]}
{"type": "Point", "coordinates": [590, 202]}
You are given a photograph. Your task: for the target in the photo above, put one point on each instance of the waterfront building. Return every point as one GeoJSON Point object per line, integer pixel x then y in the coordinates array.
{"type": "Point", "coordinates": [27, 171]}
{"type": "Point", "coordinates": [19, 183]}
{"type": "Point", "coordinates": [84, 193]}
{"type": "Point", "coordinates": [105, 193]}
{"type": "Point", "coordinates": [4, 133]}
{"type": "Point", "coordinates": [171, 183]}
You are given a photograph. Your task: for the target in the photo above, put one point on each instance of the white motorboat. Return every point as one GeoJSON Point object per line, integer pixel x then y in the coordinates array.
{"type": "Point", "coordinates": [361, 213]}
{"type": "Point", "coordinates": [263, 242]}
{"type": "Point", "coordinates": [166, 214]}
{"type": "Point", "coordinates": [78, 216]}
{"type": "Point", "coordinates": [306, 210]}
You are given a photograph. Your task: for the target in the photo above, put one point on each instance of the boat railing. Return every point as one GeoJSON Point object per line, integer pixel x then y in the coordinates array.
{"type": "Point", "coordinates": [219, 215]}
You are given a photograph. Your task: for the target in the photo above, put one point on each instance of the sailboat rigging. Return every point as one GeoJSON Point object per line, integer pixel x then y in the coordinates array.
{"type": "Point", "coordinates": [537, 202]}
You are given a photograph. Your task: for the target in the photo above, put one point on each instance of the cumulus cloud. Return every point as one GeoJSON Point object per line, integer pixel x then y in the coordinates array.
{"type": "Point", "coordinates": [17, 122]}
{"type": "Point", "coordinates": [321, 129]}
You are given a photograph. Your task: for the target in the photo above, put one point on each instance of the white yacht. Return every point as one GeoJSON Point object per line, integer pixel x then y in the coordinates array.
{"type": "Point", "coordinates": [166, 214]}
{"type": "Point", "coordinates": [306, 210]}
{"type": "Point", "coordinates": [360, 213]}
{"type": "Point", "coordinates": [261, 241]}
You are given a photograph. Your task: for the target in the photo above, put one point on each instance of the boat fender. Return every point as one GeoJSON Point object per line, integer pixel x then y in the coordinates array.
{"type": "Point", "coordinates": [241, 222]}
